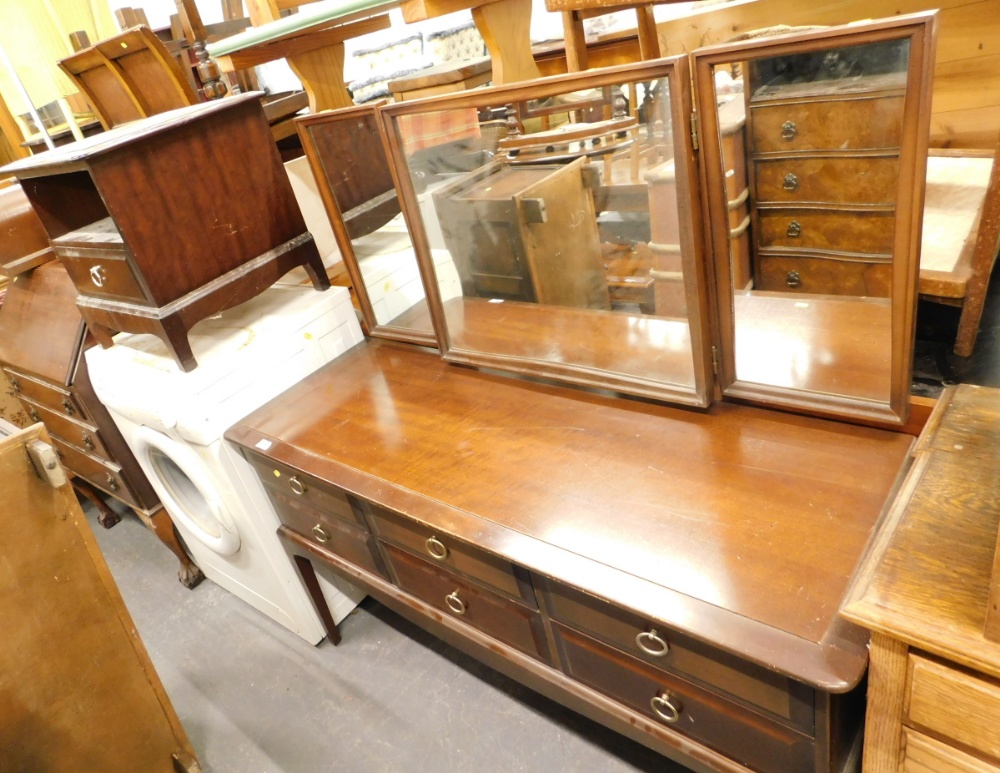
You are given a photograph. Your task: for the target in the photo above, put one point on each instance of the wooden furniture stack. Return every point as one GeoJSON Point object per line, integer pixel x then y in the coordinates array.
{"type": "Point", "coordinates": [924, 591]}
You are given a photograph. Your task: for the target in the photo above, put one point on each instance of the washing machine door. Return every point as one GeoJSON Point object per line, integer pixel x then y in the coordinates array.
{"type": "Point", "coordinates": [187, 490]}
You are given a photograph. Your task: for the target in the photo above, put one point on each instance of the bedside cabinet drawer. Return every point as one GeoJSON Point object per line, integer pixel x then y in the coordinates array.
{"type": "Point", "coordinates": [59, 399]}
{"type": "Point", "coordinates": [663, 648]}
{"type": "Point", "coordinates": [101, 274]}
{"type": "Point", "coordinates": [83, 436]}
{"type": "Point", "coordinates": [868, 180]}
{"type": "Point", "coordinates": [351, 543]}
{"type": "Point", "coordinates": [684, 707]}
{"type": "Point", "coordinates": [925, 755]}
{"type": "Point", "coordinates": [299, 486]}
{"type": "Point", "coordinates": [954, 704]}
{"type": "Point", "coordinates": [844, 124]}
{"type": "Point", "coordinates": [103, 474]}
{"type": "Point", "coordinates": [451, 553]}
{"type": "Point", "coordinates": [795, 274]}
{"type": "Point", "coordinates": [464, 600]}
{"type": "Point", "coordinates": [809, 229]}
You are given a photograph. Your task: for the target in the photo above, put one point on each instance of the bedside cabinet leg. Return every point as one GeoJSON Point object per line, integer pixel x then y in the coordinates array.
{"type": "Point", "coordinates": [105, 515]}
{"type": "Point", "coordinates": [189, 574]}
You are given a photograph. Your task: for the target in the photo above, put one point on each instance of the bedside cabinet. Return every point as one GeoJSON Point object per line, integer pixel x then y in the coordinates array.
{"type": "Point", "coordinates": [934, 683]}
{"type": "Point", "coordinates": [42, 340]}
{"type": "Point", "coordinates": [169, 220]}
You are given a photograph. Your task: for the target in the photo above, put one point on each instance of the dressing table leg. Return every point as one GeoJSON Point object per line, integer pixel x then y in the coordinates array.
{"type": "Point", "coordinates": [308, 574]}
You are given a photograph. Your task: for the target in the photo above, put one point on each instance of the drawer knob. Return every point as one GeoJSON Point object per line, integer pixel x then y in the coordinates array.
{"type": "Point", "coordinates": [98, 275]}
{"type": "Point", "coordinates": [88, 440]}
{"type": "Point", "coordinates": [296, 485]}
{"type": "Point", "coordinates": [792, 279]}
{"type": "Point", "coordinates": [791, 182]}
{"type": "Point", "coordinates": [454, 603]}
{"type": "Point", "coordinates": [67, 406]}
{"type": "Point", "coordinates": [788, 130]}
{"type": "Point", "coordinates": [652, 643]}
{"type": "Point", "coordinates": [321, 534]}
{"type": "Point", "coordinates": [34, 415]}
{"type": "Point", "coordinates": [14, 384]}
{"type": "Point", "coordinates": [794, 229]}
{"type": "Point", "coordinates": [666, 707]}
{"type": "Point", "coordinates": [112, 482]}
{"type": "Point", "coordinates": [436, 548]}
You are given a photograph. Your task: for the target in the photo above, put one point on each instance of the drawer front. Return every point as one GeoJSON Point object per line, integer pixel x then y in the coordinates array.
{"type": "Point", "coordinates": [297, 485]}
{"type": "Point", "coordinates": [664, 648]}
{"type": "Point", "coordinates": [850, 124]}
{"type": "Point", "coordinates": [51, 396]}
{"type": "Point", "coordinates": [351, 543]}
{"type": "Point", "coordinates": [105, 275]}
{"type": "Point", "coordinates": [106, 475]}
{"type": "Point", "coordinates": [451, 553]}
{"type": "Point", "coordinates": [793, 274]}
{"type": "Point", "coordinates": [829, 180]}
{"type": "Point", "coordinates": [955, 705]}
{"type": "Point", "coordinates": [802, 229]}
{"type": "Point", "coordinates": [83, 436]}
{"type": "Point", "coordinates": [925, 755]}
{"type": "Point", "coordinates": [462, 599]}
{"type": "Point", "coordinates": [682, 706]}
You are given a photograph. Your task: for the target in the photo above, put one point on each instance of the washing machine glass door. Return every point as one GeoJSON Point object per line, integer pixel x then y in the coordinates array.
{"type": "Point", "coordinates": [187, 490]}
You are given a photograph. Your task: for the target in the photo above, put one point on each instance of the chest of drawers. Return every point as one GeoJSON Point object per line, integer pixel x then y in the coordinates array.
{"type": "Point", "coordinates": [503, 517]}
{"type": "Point", "coordinates": [823, 169]}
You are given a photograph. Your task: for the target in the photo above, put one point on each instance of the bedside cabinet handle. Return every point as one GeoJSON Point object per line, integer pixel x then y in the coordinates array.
{"type": "Point", "coordinates": [794, 229]}
{"type": "Point", "coordinates": [296, 485]}
{"type": "Point", "coordinates": [454, 603]}
{"type": "Point", "coordinates": [792, 279]}
{"type": "Point", "coordinates": [112, 482]}
{"type": "Point", "coordinates": [652, 643]}
{"type": "Point", "coordinates": [67, 406]}
{"type": "Point", "coordinates": [14, 384]}
{"type": "Point", "coordinates": [88, 440]}
{"type": "Point", "coordinates": [436, 548]}
{"type": "Point", "coordinates": [788, 130]}
{"type": "Point", "coordinates": [666, 707]}
{"type": "Point", "coordinates": [791, 182]}
{"type": "Point", "coordinates": [98, 275]}
{"type": "Point", "coordinates": [321, 534]}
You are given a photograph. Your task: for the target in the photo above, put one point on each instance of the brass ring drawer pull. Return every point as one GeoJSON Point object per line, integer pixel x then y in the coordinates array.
{"type": "Point", "coordinates": [67, 406]}
{"type": "Point", "coordinates": [321, 534]}
{"type": "Point", "coordinates": [454, 603]}
{"type": "Point", "coordinates": [652, 643]}
{"type": "Point", "coordinates": [791, 182]}
{"type": "Point", "coordinates": [792, 279]}
{"type": "Point", "coordinates": [436, 548]}
{"type": "Point", "coordinates": [794, 229]}
{"type": "Point", "coordinates": [788, 130]}
{"type": "Point", "coordinates": [296, 485]}
{"type": "Point", "coordinates": [666, 707]}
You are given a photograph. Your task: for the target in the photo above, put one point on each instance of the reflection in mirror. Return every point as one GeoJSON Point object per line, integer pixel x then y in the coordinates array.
{"type": "Point", "coordinates": [348, 157]}
{"type": "Point", "coordinates": [810, 156]}
{"type": "Point", "coordinates": [554, 229]}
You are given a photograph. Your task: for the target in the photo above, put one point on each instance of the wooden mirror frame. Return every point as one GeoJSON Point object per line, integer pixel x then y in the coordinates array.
{"type": "Point", "coordinates": [676, 71]}
{"type": "Point", "coordinates": [920, 30]}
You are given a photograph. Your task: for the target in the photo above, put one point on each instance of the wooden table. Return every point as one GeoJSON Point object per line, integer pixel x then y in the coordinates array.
{"type": "Point", "coordinates": [934, 699]}
{"type": "Point", "coordinates": [566, 538]}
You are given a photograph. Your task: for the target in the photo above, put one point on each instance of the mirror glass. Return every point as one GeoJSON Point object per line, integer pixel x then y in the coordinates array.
{"type": "Point", "coordinates": [808, 160]}
{"type": "Point", "coordinates": [557, 228]}
{"type": "Point", "coordinates": [348, 157]}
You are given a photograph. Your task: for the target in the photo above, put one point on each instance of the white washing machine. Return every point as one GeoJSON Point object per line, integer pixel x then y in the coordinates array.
{"type": "Point", "coordinates": [174, 423]}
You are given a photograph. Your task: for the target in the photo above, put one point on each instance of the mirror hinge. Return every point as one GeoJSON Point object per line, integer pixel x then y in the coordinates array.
{"type": "Point", "coordinates": [715, 360]}
{"type": "Point", "coordinates": [694, 130]}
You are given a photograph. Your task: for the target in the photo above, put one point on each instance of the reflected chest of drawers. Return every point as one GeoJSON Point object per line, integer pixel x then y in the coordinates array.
{"type": "Point", "coordinates": [546, 533]}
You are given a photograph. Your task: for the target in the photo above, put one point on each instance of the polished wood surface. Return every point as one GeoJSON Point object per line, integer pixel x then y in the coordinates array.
{"type": "Point", "coordinates": [497, 447]}
{"type": "Point", "coordinates": [24, 244]}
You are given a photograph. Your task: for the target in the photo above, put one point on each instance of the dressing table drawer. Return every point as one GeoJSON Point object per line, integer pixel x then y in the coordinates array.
{"type": "Point", "coordinates": [468, 601]}
{"type": "Point", "coordinates": [800, 274]}
{"type": "Point", "coordinates": [819, 124]}
{"type": "Point", "coordinates": [663, 648]}
{"type": "Point", "coordinates": [297, 485]}
{"type": "Point", "coordinates": [452, 554]}
{"type": "Point", "coordinates": [861, 180]}
{"type": "Point", "coordinates": [101, 473]}
{"type": "Point", "coordinates": [59, 399]}
{"type": "Point", "coordinates": [675, 703]}
{"type": "Point", "coordinates": [823, 229]}
{"type": "Point", "coordinates": [351, 543]}
{"type": "Point", "coordinates": [82, 435]}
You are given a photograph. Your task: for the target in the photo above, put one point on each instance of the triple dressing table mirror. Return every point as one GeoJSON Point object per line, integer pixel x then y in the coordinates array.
{"type": "Point", "coordinates": [813, 157]}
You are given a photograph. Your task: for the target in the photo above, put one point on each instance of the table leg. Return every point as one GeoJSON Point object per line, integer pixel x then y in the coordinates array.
{"type": "Point", "coordinates": [322, 74]}
{"type": "Point", "coordinates": [505, 26]}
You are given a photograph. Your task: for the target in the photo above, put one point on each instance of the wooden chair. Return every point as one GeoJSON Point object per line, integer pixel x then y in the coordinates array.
{"type": "Point", "coordinates": [129, 76]}
{"type": "Point", "coordinates": [961, 235]}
